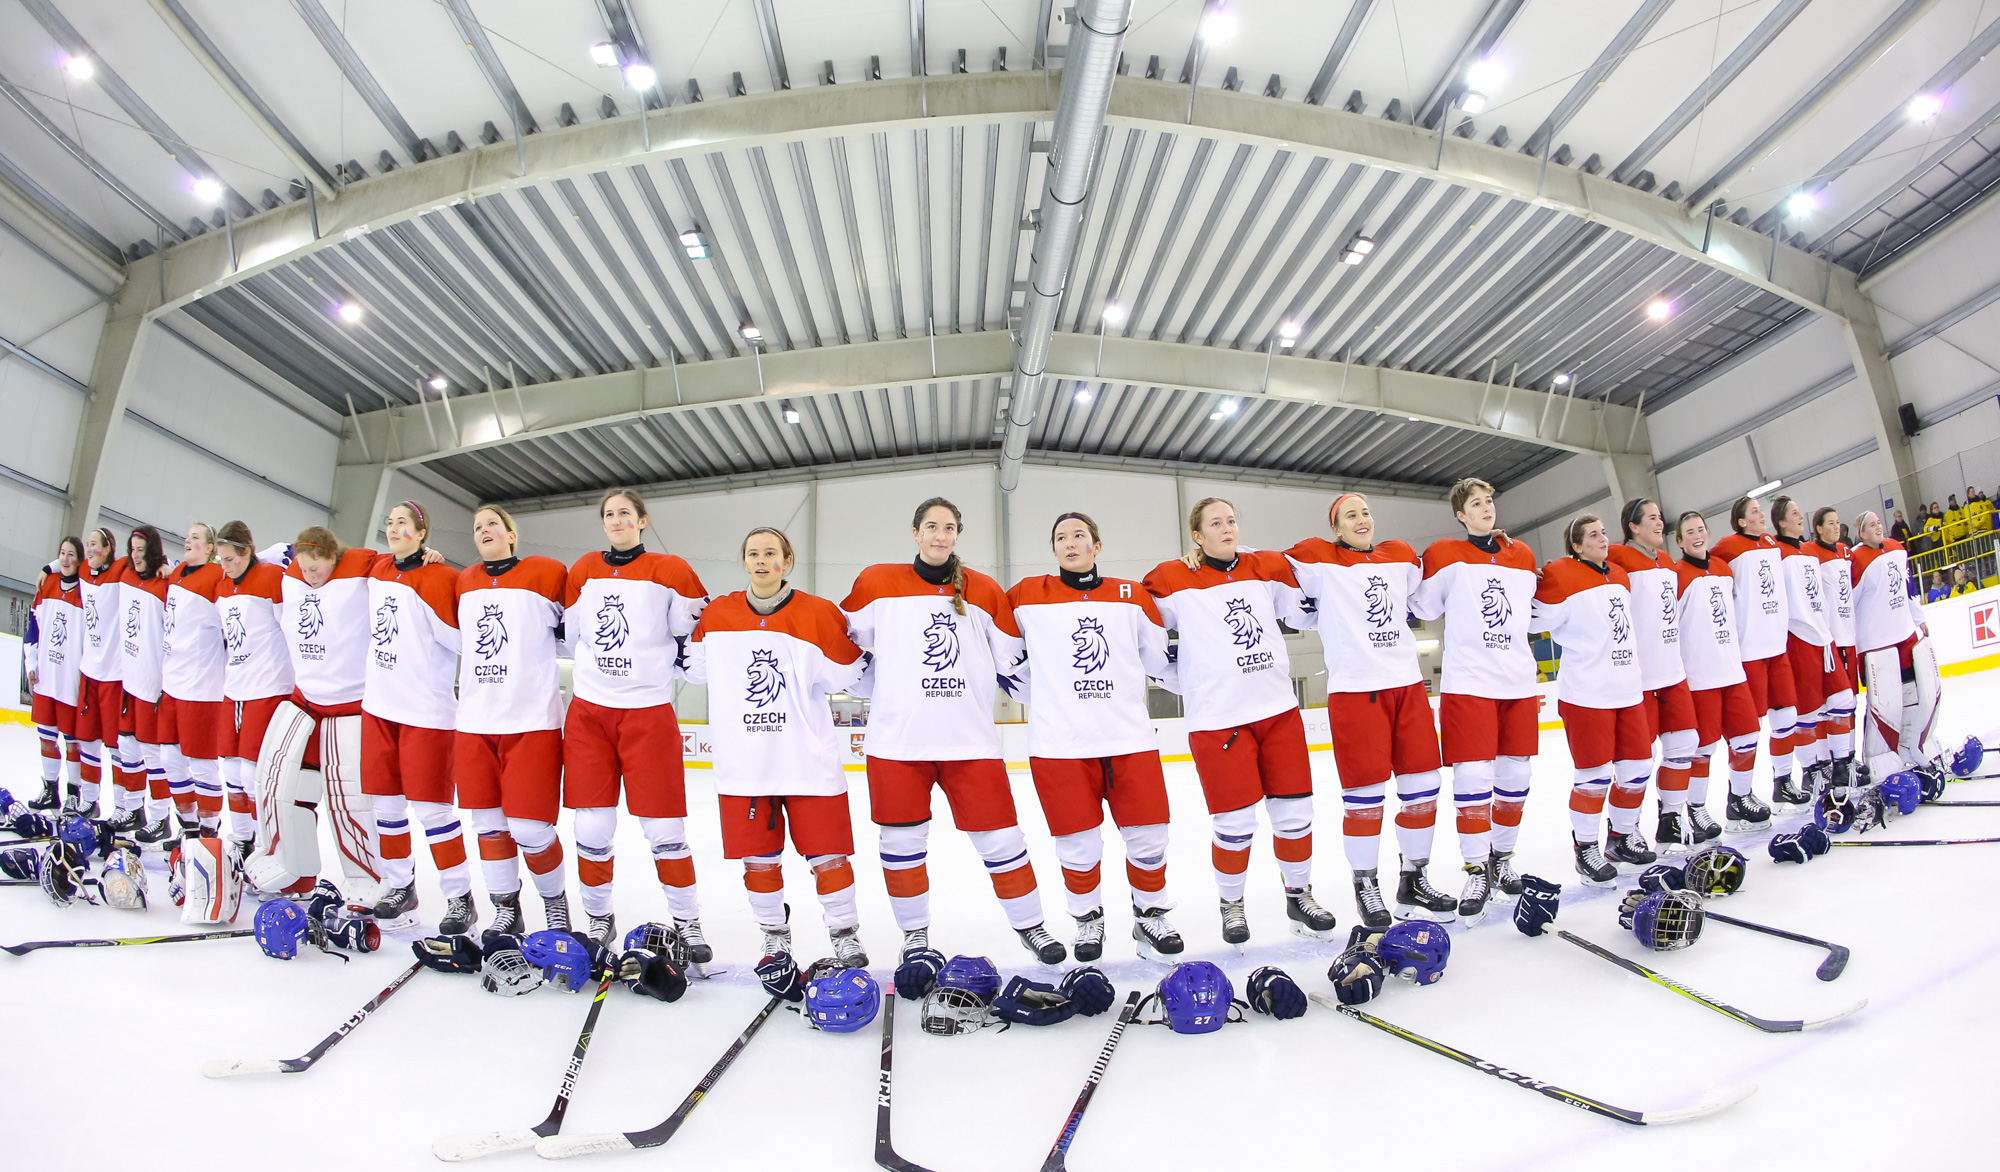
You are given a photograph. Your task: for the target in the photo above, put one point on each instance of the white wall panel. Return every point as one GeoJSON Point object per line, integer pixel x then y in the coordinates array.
{"type": "Point", "coordinates": [1137, 516]}
{"type": "Point", "coordinates": [866, 519]}
{"type": "Point", "coordinates": [30, 527]}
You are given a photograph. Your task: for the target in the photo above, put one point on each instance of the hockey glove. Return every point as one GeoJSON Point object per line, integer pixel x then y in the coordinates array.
{"type": "Point", "coordinates": [1026, 1002]}
{"type": "Point", "coordinates": [9, 805]}
{"type": "Point", "coordinates": [1356, 975]}
{"type": "Point", "coordinates": [32, 825]}
{"type": "Point", "coordinates": [1630, 905]}
{"type": "Point", "coordinates": [652, 973]}
{"type": "Point", "coordinates": [447, 954]}
{"type": "Point", "coordinates": [918, 973]}
{"type": "Point", "coordinates": [355, 933]}
{"type": "Point", "coordinates": [21, 862]}
{"type": "Point", "coordinates": [1932, 779]}
{"type": "Point", "coordinates": [1788, 848]}
{"type": "Point", "coordinates": [1090, 989]}
{"type": "Point", "coordinates": [1273, 991]}
{"type": "Point", "coordinates": [325, 897]}
{"type": "Point", "coordinates": [779, 974]}
{"type": "Point", "coordinates": [1663, 877]}
{"type": "Point", "coordinates": [1536, 908]}
{"type": "Point", "coordinates": [1814, 840]}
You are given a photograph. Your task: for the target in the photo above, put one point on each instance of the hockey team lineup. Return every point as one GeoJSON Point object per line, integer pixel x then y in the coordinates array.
{"type": "Point", "coordinates": [244, 699]}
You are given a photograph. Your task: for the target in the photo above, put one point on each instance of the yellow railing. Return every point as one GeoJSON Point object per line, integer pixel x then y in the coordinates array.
{"type": "Point", "coordinates": [1975, 551]}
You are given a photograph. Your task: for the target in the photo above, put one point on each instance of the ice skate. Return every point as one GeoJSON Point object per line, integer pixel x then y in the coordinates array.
{"type": "Point", "coordinates": [1047, 949]}
{"type": "Point", "coordinates": [916, 938]}
{"type": "Point", "coordinates": [73, 804]}
{"type": "Point", "coordinates": [396, 908]}
{"type": "Point", "coordinates": [506, 914]}
{"type": "Point", "coordinates": [555, 910]}
{"type": "Point", "coordinates": [459, 916]}
{"type": "Point", "coordinates": [159, 833]}
{"type": "Point", "coordinates": [1629, 849]}
{"type": "Point", "coordinates": [1368, 901]}
{"type": "Point", "coordinates": [1416, 899]}
{"type": "Point", "coordinates": [1307, 916]}
{"type": "Point", "coordinates": [778, 937]}
{"type": "Point", "coordinates": [600, 927]}
{"type": "Point", "coordinates": [1155, 935]}
{"type": "Point", "coordinates": [1675, 832]}
{"type": "Point", "coordinates": [1746, 813]}
{"type": "Point", "coordinates": [1235, 925]}
{"type": "Point", "coordinates": [1786, 792]}
{"type": "Point", "coordinates": [697, 944]}
{"type": "Point", "coordinates": [1501, 875]}
{"type": "Point", "coordinates": [1705, 825]}
{"type": "Point", "coordinates": [1590, 864]}
{"type": "Point", "coordinates": [1089, 943]}
{"type": "Point", "coordinates": [1472, 899]}
{"type": "Point", "coordinates": [847, 946]}
{"type": "Point", "coordinates": [49, 800]}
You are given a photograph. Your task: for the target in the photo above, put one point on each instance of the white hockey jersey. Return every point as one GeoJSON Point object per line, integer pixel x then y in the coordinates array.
{"type": "Point", "coordinates": [326, 630]}
{"type": "Point", "coordinates": [102, 610]}
{"type": "Point", "coordinates": [1088, 656]}
{"type": "Point", "coordinates": [1836, 572]}
{"type": "Point", "coordinates": [141, 645]}
{"type": "Point", "coordinates": [411, 676]}
{"type": "Point", "coordinates": [1710, 648]}
{"type": "Point", "coordinates": [933, 671]}
{"type": "Point", "coordinates": [1884, 614]}
{"type": "Point", "coordinates": [627, 624]}
{"type": "Point", "coordinates": [1589, 612]}
{"type": "Point", "coordinates": [1656, 617]}
{"type": "Point", "coordinates": [1759, 582]}
{"type": "Point", "coordinates": [52, 646]}
{"type": "Point", "coordinates": [1485, 598]}
{"type": "Point", "coordinates": [1359, 602]}
{"type": "Point", "coordinates": [194, 663]}
{"type": "Point", "coordinates": [508, 678]}
{"type": "Point", "coordinates": [259, 664]}
{"type": "Point", "coordinates": [768, 677]}
{"type": "Point", "coordinates": [1231, 661]}
{"type": "Point", "coordinates": [1806, 599]}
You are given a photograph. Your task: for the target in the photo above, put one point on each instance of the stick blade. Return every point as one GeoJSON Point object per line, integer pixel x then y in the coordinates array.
{"type": "Point", "coordinates": [455, 1149]}
{"type": "Point", "coordinates": [1834, 964]}
{"type": "Point", "coordinates": [1720, 1101]}
{"type": "Point", "coordinates": [230, 1067]}
{"type": "Point", "coordinates": [1850, 1011]}
{"type": "Point", "coordinates": [562, 1147]}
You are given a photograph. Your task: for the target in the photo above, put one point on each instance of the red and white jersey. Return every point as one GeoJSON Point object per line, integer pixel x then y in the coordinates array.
{"type": "Point", "coordinates": [326, 629]}
{"type": "Point", "coordinates": [768, 677]}
{"type": "Point", "coordinates": [1884, 614]}
{"type": "Point", "coordinates": [1836, 573]}
{"type": "Point", "coordinates": [1231, 662]}
{"type": "Point", "coordinates": [53, 644]}
{"type": "Point", "coordinates": [508, 678]}
{"type": "Point", "coordinates": [1711, 650]}
{"type": "Point", "coordinates": [626, 625]}
{"type": "Point", "coordinates": [1089, 653]}
{"type": "Point", "coordinates": [1485, 598]}
{"type": "Point", "coordinates": [259, 664]}
{"type": "Point", "coordinates": [140, 644]}
{"type": "Point", "coordinates": [1359, 601]}
{"type": "Point", "coordinates": [195, 662]}
{"type": "Point", "coordinates": [1759, 581]}
{"type": "Point", "coordinates": [411, 676]}
{"type": "Point", "coordinates": [102, 660]}
{"type": "Point", "coordinates": [1589, 612]}
{"type": "Point", "coordinates": [1806, 598]}
{"type": "Point", "coordinates": [934, 670]}
{"type": "Point", "coordinates": [1656, 620]}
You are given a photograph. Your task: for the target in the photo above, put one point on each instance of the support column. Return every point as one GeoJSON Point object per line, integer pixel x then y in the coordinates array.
{"type": "Point", "coordinates": [112, 374]}
{"type": "Point", "coordinates": [360, 501]}
{"type": "Point", "coordinates": [1869, 352]}
{"type": "Point", "coordinates": [1631, 475]}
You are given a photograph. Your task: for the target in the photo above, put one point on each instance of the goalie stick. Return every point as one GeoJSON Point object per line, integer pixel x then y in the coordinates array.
{"type": "Point", "coordinates": [1911, 841]}
{"type": "Point", "coordinates": [1708, 1106]}
{"type": "Point", "coordinates": [457, 1148]}
{"type": "Point", "coordinates": [226, 1067]}
{"type": "Point", "coordinates": [1750, 1019]}
{"type": "Point", "coordinates": [885, 1152]}
{"type": "Point", "coordinates": [1829, 969]}
{"type": "Point", "coordinates": [124, 941]}
{"type": "Point", "coordinates": [1067, 1135]}
{"type": "Point", "coordinates": [561, 1147]}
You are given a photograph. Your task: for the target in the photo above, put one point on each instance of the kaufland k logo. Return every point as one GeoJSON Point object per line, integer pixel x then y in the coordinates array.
{"type": "Point", "coordinates": [1985, 624]}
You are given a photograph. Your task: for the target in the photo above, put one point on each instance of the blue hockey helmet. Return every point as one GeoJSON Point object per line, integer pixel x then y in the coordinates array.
{"type": "Point", "coordinates": [1667, 920]}
{"type": "Point", "coordinates": [842, 1001]}
{"type": "Point", "coordinates": [1965, 762]}
{"type": "Point", "coordinates": [974, 974]}
{"type": "Point", "coordinates": [566, 961]}
{"type": "Point", "coordinates": [81, 833]}
{"type": "Point", "coordinates": [280, 927]}
{"type": "Point", "coordinates": [1415, 950]}
{"type": "Point", "coordinates": [1904, 791]}
{"type": "Point", "coordinates": [1195, 998]}
{"type": "Point", "coordinates": [1714, 870]}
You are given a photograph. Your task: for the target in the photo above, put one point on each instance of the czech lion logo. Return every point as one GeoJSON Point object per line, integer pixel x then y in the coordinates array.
{"type": "Point", "coordinates": [491, 632]}
{"type": "Point", "coordinates": [311, 621]}
{"type": "Point", "coordinates": [386, 625]}
{"type": "Point", "coordinates": [1494, 606]}
{"type": "Point", "coordinates": [612, 629]}
{"type": "Point", "coordinates": [1092, 651]}
{"type": "Point", "coordinates": [233, 631]}
{"type": "Point", "coordinates": [940, 643]}
{"type": "Point", "coordinates": [767, 680]}
{"type": "Point", "coordinates": [1377, 597]}
{"type": "Point", "coordinates": [1621, 623]}
{"type": "Point", "coordinates": [1243, 625]}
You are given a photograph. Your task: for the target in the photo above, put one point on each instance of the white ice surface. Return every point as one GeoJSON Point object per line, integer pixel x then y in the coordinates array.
{"type": "Point", "coordinates": [104, 1047]}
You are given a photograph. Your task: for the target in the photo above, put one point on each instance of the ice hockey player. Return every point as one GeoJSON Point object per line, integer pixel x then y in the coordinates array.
{"type": "Point", "coordinates": [1664, 695]}
{"type": "Point", "coordinates": [1723, 707]}
{"type": "Point", "coordinates": [1753, 557]}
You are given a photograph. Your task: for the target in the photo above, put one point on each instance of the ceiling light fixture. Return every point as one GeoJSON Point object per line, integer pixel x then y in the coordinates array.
{"type": "Point", "coordinates": [1084, 395]}
{"type": "Point", "coordinates": [1114, 314]}
{"type": "Point", "coordinates": [1356, 249]}
{"type": "Point", "coordinates": [208, 190]}
{"type": "Point", "coordinates": [752, 334]}
{"type": "Point", "coordinates": [1484, 75]}
{"type": "Point", "coordinates": [1472, 102]}
{"type": "Point", "coordinates": [1660, 309]}
{"type": "Point", "coordinates": [791, 415]}
{"type": "Point", "coordinates": [1288, 334]}
{"type": "Point", "coordinates": [640, 76]}
{"type": "Point", "coordinates": [1801, 203]}
{"type": "Point", "coordinates": [439, 383]}
{"type": "Point", "coordinates": [697, 248]}
{"type": "Point", "coordinates": [1562, 380]}
{"type": "Point", "coordinates": [604, 53]}
{"type": "Point", "coordinates": [1925, 107]}
{"type": "Point", "coordinates": [350, 312]}
{"type": "Point", "coordinates": [80, 68]}
{"type": "Point", "coordinates": [1773, 486]}
{"type": "Point", "coordinates": [1219, 26]}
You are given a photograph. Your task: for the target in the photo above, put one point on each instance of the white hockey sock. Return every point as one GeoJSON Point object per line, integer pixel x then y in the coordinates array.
{"type": "Point", "coordinates": [1742, 763]}
{"type": "Point", "coordinates": [51, 754]}
{"type": "Point", "coordinates": [833, 875]}
{"type": "Point", "coordinates": [1082, 857]}
{"type": "Point", "coordinates": [1784, 736]}
{"type": "Point", "coordinates": [1704, 760]}
{"type": "Point", "coordinates": [90, 760]}
{"type": "Point", "coordinates": [499, 855]}
{"type": "Point", "coordinates": [904, 851]}
{"type": "Point", "coordinates": [180, 784]}
{"type": "Point", "coordinates": [1146, 865]}
{"type": "Point", "coordinates": [595, 828]}
{"type": "Point", "coordinates": [1233, 830]}
{"type": "Point", "coordinates": [238, 779]}
{"type": "Point", "coordinates": [1005, 853]}
{"type": "Point", "coordinates": [1416, 813]}
{"type": "Point", "coordinates": [673, 863]}
{"type": "Point", "coordinates": [1586, 801]}
{"type": "Point", "coordinates": [158, 786]}
{"type": "Point", "coordinates": [1291, 839]}
{"type": "Point", "coordinates": [1511, 776]}
{"type": "Point", "coordinates": [764, 882]}
{"type": "Point", "coordinates": [392, 829]}
{"type": "Point", "coordinates": [1361, 825]}
{"type": "Point", "coordinates": [1472, 795]}
{"type": "Point", "coordinates": [542, 851]}
{"type": "Point", "coordinates": [446, 839]}
{"type": "Point", "coordinates": [1629, 794]}
{"type": "Point", "coordinates": [73, 764]}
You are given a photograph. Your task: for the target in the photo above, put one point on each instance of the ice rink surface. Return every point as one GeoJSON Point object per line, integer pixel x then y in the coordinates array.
{"type": "Point", "coordinates": [105, 1046]}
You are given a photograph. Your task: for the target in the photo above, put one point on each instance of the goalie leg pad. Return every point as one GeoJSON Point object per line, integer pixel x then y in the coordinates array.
{"type": "Point", "coordinates": [212, 881]}
{"type": "Point", "coordinates": [351, 813]}
{"type": "Point", "coordinates": [1920, 741]}
{"type": "Point", "coordinates": [287, 795]}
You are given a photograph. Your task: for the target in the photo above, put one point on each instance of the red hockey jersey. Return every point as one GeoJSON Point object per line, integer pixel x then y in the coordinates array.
{"type": "Point", "coordinates": [1359, 601]}
{"type": "Point", "coordinates": [141, 645]}
{"type": "Point", "coordinates": [1759, 582]}
{"type": "Point", "coordinates": [508, 678]}
{"type": "Point", "coordinates": [1231, 662]}
{"type": "Point", "coordinates": [1656, 595]}
{"type": "Point", "coordinates": [1089, 654]}
{"type": "Point", "coordinates": [102, 611]}
{"type": "Point", "coordinates": [326, 630]}
{"type": "Point", "coordinates": [1884, 614]}
{"type": "Point", "coordinates": [411, 676]}
{"type": "Point", "coordinates": [258, 664]}
{"type": "Point", "coordinates": [1589, 612]}
{"type": "Point", "coordinates": [1485, 600]}
{"type": "Point", "coordinates": [194, 663]}
{"type": "Point", "coordinates": [1711, 650]}
{"type": "Point", "coordinates": [52, 646]}
{"type": "Point", "coordinates": [934, 671]}
{"type": "Point", "coordinates": [627, 624]}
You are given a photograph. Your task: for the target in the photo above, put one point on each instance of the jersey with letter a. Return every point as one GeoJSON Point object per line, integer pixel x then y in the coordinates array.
{"type": "Point", "coordinates": [141, 645]}
{"type": "Point", "coordinates": [1359, 600]}
{"type": "Point", "coordinates": [1884, 616]}
{"type": "Point", "coordinates": [934, 670]}
{"type": "Point", "coordinates": [1710, 648]}
{"type": "Point", "coordinates": [1089, 653]}
{"type": "Point", "coordinates": [194, 659]}
{"type": "Point", "coordinates": [627, 624]}
{"type": "Point", "coordinates": [53, 645]}
{"type": "Point", "coordinates": [1589, 612]}
{"type": "Point", "coordinates": [508, 678]}
{"type": "Point", "coordinates": [326, 629]}
{"type": "Point", "coordinates": [768, 677]}
{"type": "Point", "coordinates": [411, 677]}
{"type": "Point", "coordinates": [1485, 597]}
{"type": "Point", "coordinates": [1805, 594]}
{"type": "Point", "coordinates": [259, 664]}
{"type": "Point", "coordinates": [1656, 620]}
{"type": "Point", "coordinates": [1232, 665]}
{"type": "Point", "coordinates": [1836, 573]}
{"type": "Point", "coordinates": [101, 613]}
{"type": "Point", "coordinates": [1760, 592]}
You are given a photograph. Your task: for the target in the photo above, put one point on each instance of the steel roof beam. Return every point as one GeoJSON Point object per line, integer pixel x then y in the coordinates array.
{"type": "Point", "coordinates": [473, 34]}
{"type": "Point", "coordinates": [357, 74]}
{"type": "Point", "coordinates": [623, 26]}
{"type": "Point", "coordinates": [1343, 47]}
{"type": "Point", "coordinates": [37, 205]}
{"type": "Point", "coordinates": [75, 151]}
{"type": "Point", "coordinates": [1493, 24]}
{"type": "Point", "coordinates": [1732, 67]}
{"type": "Point", "coordinates": [1600, 71]}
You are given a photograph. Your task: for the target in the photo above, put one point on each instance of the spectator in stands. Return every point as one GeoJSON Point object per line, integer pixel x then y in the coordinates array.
{"type": "Point", "coordinates": [1901, 529]}
{"type": "Point", "coordinates": [1940, 589]}
{"type": "Point", "coordinates": [1961, 582]}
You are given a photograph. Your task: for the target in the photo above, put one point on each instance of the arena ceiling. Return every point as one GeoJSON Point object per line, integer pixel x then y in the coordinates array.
{"type": "Point", "coordinates": [1849, 129]}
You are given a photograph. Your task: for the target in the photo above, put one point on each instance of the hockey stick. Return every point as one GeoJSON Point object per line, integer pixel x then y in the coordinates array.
{"type": "Point", "coordinates": [124, 941]}
{"type": "Point", "coordinates": [225, 1067]}
{"type": "Point", "coordinates": [1749, 1019]}
{"type": "Point", "coordinates": [1708, 1106]}
{"type": "Point", "coordinates": [885, 1152]}
{"type": "Point", "coordinates": [1068, 1133]}
{"type": "Point", "coordinates": [456, 1148]}
{"type": "Point", "coordinates": [561, 1147]}
{"type": "Point", "coordinates": [1910, 841]}
{"type": "Point", "coordinates": [1829, 969]}
{"type": "Point", "coordinates": [20, 883]}
{"type": "Point", "coordinates": [1961, 804]}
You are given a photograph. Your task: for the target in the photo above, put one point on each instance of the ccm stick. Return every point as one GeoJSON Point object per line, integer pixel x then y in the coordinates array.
{"type": "Point", "coordinates": [1750, 1019]}
{"type": "Point", "coordinates": [1708, 1106]}
{"type": "Point", "coordinates": [885, 1152]}
{"type": "Point", "coordinates": [457, 1148]}
{"type": "Point", "coordinates": [124, 941]}
{"type": "Point", "coordinates": [1829, 969]}
{"type": "Point", "coordinates": [226, 1067]}
{"type": "Point", "coordinates": [1911, 841]}
{"type": "Point", "coordinates": [1067, 1136]}
{"type": "Point", "coordinates": [560, 1147]}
